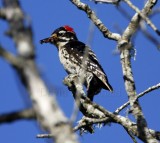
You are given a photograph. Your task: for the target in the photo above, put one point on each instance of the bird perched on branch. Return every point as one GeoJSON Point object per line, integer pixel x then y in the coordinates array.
{"type": "Point", "coordinates": [79, 59]}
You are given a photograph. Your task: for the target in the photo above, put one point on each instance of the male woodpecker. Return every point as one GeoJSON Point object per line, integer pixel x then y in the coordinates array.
{"type": "Point", "coordinates": [79, 59]}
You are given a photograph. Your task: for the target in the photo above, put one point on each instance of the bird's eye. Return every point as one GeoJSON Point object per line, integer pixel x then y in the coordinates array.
{"type": "Point", "coordinates": [61, 34]}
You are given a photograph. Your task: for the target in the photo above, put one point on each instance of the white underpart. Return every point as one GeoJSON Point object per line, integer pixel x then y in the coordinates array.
{"type": "Point", "coordinates": [61, 44]}
{"type": "Point", "coordinates": [70, 67]}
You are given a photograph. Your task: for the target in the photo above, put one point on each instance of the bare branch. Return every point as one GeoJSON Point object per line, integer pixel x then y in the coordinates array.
{"type": "Point", "coordinates": [133, 26]}
{"type": "Point", "coordinates": [91, 14]}
{"type": "Point", "coordinates": [13, 60]}
{"type": "Point", "coordinates": [136, 9]}
{"type": "Point", "coordinates": [86, 121]}
{"type": "Point", "coordinates": [157, 86]}
{"type": "Point", "coordinates": [150, 89]}
{"type": "Point", "coordinates": [27, 114]}
{"type": "Point", "coordinates": [125, 122]}
{"type": "Point", "coordinates": [44, 136]}
{"type": "Point", "coordinates": [125, 46]}
{"type": "Point", "coordinates": [142, 27]}
{"type": "Point", "coordinates": [143, 16]}
{"type": "Point", "coordinates": [45, 106]}
{"type": "Point", "coordinates": [131, 126]}
{"type": "Point", "coordinates": [108, 1]}
{"type": "Point", "coordinates": [97, 114]}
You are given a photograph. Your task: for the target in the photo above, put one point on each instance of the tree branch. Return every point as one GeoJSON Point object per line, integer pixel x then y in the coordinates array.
{"type": "Point", "coordinates": [142, 27]}
{"type": "Point", "coordinates": [45, 106]}
{"type": "Point", "coordinates": [13, 60]}
{"type": "Point", "coordinates": [96, 114]}
{"type": "Point", "coordinates": [91, 14]}
{"type": "Point", "coordinates": [108, 1]}
{"type": "Point", "coordinates": [150, 89]}
{"type": "Point", "coordinates": [144, 17]}
{"type": "Point", "coordinates": [125, 46]}
{"type": "Point", "coordinates": [131, 135]}
{"type": "Point", "coordinates": [27, 114]}
{"type": "Point", "coordinates": [133, 25]}
{"type": "Point", "coordinates": [136, 9]}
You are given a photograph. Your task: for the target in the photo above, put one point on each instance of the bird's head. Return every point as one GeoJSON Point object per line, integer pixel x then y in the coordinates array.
{"type": "Point", "coordinates": [61, 36]}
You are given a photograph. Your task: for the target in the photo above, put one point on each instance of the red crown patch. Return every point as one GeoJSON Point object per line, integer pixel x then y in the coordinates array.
{"type": "Point", "coordinates": [68, 28]}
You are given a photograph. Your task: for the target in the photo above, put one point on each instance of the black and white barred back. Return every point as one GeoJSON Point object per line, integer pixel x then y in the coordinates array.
{"type": "Point", "coordinates": [77, 58]}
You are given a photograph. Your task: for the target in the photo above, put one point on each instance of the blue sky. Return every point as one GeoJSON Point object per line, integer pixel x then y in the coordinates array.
{"type": "Point", "coordinates": [49, 15]}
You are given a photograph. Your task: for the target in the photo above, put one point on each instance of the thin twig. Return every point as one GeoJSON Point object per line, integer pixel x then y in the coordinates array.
{"type": "Point", "coordinates": [44, 136]}
{"type": "Point", "coordinates": [150, 89]}
{"type": "Point", "coordinates": [108, 1]}
{"type": "Point", "coordinates": [142, 27]}
{"type": "Point", "coordinates": [144, 17]}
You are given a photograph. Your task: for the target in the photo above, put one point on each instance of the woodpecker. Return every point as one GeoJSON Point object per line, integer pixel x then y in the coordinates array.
{"type": "Point", "coordinates": [77, 58]}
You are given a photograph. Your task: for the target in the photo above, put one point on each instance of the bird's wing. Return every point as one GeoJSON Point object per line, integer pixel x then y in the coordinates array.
{"type": "Point", "coordinates": [78, 50]}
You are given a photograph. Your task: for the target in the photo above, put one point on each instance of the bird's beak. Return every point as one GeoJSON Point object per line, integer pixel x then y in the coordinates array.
{"type": "Point", "coordinates": [50, 39]}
